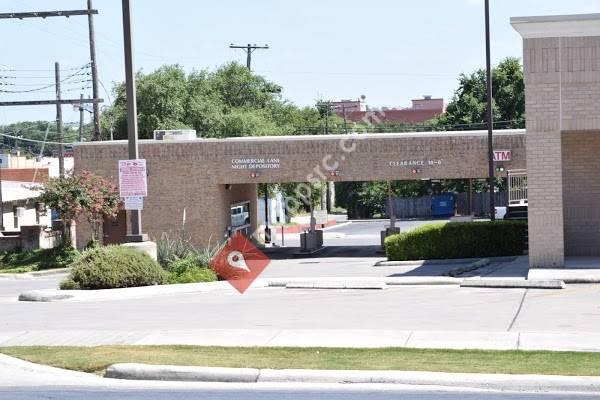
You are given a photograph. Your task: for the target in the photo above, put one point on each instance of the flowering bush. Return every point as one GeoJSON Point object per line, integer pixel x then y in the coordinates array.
{"type": "Point", "coordinates": [83, 194]}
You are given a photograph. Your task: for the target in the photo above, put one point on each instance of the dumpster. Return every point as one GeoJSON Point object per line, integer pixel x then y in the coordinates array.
{"type": "Point", "coordinates": [442, 205]}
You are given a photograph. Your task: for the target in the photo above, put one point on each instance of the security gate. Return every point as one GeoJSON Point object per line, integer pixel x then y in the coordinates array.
{"type": "Point", "coordinates": [517, 188]}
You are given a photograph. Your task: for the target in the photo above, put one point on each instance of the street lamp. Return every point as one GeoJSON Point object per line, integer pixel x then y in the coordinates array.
{"type": "Point", "coordinates": [490, 115]}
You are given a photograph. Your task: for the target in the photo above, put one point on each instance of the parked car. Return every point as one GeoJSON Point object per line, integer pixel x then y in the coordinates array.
{"type": "Point", "coordinates": [240, 215]}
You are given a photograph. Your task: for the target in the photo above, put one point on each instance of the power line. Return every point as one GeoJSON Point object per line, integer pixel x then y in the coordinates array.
{"type": "Point", "coordinates": [32, 140]}
{"type": "Point", "coordinates": [249, 49]}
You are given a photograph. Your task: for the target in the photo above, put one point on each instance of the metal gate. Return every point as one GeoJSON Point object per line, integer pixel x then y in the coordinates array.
{"type": "Point", "coordinates": [517, 187]}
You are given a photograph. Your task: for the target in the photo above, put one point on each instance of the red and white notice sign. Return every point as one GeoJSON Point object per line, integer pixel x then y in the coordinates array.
{"type": "Point", "coordinates": [502, 155]}
{"type": "Point", "coordinates": [132, 178]}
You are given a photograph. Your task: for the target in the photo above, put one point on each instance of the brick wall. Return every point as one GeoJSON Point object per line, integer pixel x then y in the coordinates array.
{"type": "Point", "coordinates": [194, 175]}
{"type": "Point", "coordinates": [581, 193]}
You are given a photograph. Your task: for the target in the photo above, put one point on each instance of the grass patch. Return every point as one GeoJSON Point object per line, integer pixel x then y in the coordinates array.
{"type": "Point", "coordinates": [96, 359]}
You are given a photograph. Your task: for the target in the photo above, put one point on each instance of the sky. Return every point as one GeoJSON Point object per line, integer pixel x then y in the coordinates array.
{"type": "Point", "coordinates": [391, 51]}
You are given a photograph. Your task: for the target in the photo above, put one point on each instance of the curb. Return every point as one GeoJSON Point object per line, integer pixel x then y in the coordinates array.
{"type": "Point", "coordinates": [50, 295]}
{"type": "Point", "coordinates": [35, 274]}
{"type": "Point", "coordinates": [443, 261]}
{"type": "Point", "coordinates": [506, 382]}
{"type": "Point", "coordinates": [362, 285]}
{"type": "Point", "coordinates": [513, 284]}
{"type": "Point", "coordinates": [567, 275]}
{"type": "Point", "coordinates": [179, 373]}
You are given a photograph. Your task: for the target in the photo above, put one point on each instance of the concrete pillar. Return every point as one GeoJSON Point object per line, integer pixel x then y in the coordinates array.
{"type": "Point", "coordinates": [561, 60]}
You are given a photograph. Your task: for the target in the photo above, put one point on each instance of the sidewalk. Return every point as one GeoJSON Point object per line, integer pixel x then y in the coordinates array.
{"type": "Point", "coordinates": [355, 338]}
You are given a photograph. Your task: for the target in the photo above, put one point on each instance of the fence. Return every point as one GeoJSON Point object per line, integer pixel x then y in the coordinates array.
{"type": "Point", "coordinates": [420, 207]}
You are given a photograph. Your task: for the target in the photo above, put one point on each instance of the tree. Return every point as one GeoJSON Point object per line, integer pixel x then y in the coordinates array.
{"type": "Point", "coordinates": [231, 101]}
{"type": "Point", "coordinates": [102, 200]}
{"type": "Point", "coordinates": [85, 195]}
{"type": "Point", "coordinates": [468, 105]}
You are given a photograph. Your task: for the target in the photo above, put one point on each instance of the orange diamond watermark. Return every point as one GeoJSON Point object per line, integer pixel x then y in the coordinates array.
{"type": "Point", "coordinates": [240, 262]}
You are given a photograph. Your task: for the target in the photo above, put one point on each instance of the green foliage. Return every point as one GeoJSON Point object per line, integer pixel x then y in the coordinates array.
{"type": "Point", "coordinates": [36, 130]}
{"type": "Point", "coordinates": [190, 270]}
{"type": "Point", "coordinates": [62, 256]}
{"type": "Point", "coordinates": [35, 260]}
{"type": "Point", "coordinates": [458, 240]}
{"type": "Point", "coordinates": [230, 101]}
{"type": "Point", "coordinates": [469, 104]}
{"type": "Point", "coordinates": [69, 284]}
{"type": "Point", "coordinates": [171, 249]}
{"type": "Point", "coordinates": [115, 267]}
{"type": "Point", "coordinates": [83, 194]}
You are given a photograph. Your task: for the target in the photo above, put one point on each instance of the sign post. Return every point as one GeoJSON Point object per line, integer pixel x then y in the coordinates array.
{"type": "Point", "coordinates": [133, 187]}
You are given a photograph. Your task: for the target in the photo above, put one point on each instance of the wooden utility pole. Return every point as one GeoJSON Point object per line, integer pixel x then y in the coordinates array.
{"type": "Point", "coordinates": [59, 123]}
{"type": "Point", "coordinates": [90, 12]}
{"type": "Point", "coordinates": [92, 34]}
{"type": "Point", "coordinates": [81, 119]}
{"type": "Point", "coordinates": [1, 205]}
{"type": "Point", "coordinates": [249, 49]}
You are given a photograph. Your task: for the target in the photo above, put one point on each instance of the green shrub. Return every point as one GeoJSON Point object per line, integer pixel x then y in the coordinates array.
{"type": "Point", "coordinates": [62, 256]}
{"type": "Point", "coordinates": [69, 284]}
{"type": "Point", "coordinates": [34, 260]}
{"type": "Point", "coordinates": [170, 249]}
{"type": "Point", "coordinates": [190, 270]}
{"type": "Point", "coordinates": [458, 240]}
{"type": "Point", "coordinates": [115, 267]}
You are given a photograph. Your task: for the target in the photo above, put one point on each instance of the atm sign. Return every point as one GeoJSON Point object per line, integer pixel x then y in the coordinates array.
{"type": "Point", "coordinates": [502, 155]}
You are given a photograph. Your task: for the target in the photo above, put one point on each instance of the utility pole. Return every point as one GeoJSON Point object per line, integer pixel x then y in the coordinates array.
{"type": "Point", "coordinates": [490, 112]}
{"type": "Point", "coordinates": [81, 119]}
{"type": "Point", "coordinates": [1, 204]}
{"type": "Point", "coordinates": [345, 119]}
{"type": "Point", "coordinates": [132, 127]}
{"type": "Point", "coordinates": [249, 49]}
{"type": "Point", "coordinates": [92, 34]}
{"type": "Point", "coordinates": [59, 123]}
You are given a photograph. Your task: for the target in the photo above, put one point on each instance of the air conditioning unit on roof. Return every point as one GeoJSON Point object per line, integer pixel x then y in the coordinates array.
{"type": "Point", "coordinates": [176, 134]}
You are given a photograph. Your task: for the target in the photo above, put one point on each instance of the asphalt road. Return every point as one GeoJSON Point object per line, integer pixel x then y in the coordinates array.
{"type": "Point", "coordinates": [575, 309]}
{"type": "Point", "coordinates": [362, 233]}
{"type": "Point", "coordinates": [270, 392]}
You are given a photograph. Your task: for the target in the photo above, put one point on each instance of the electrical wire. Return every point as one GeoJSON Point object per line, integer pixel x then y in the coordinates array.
{"type": "Point", "coordinates": [33, 140]}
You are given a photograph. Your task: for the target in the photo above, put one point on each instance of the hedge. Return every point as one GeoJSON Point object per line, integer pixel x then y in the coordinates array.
{"type": "Point", "coordinates": [114, 267]}
{"type": "Point", "coordinates": [458, 240]}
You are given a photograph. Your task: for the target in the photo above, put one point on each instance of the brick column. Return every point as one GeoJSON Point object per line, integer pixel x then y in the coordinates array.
{"type": "Point", "coordinates": [543, 86]}
{"type": "Point", "coordinates": [561, 60]}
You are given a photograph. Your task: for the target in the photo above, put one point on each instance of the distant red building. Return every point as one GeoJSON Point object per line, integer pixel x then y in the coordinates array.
{"type": "Point", "coordinates": [422, 110]}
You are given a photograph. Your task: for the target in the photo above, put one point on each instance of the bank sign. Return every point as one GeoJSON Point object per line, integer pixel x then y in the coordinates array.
{"type": "Point", "coordinates": [502, 155]}
{"type": "Point", "coordinates": [255, 163]}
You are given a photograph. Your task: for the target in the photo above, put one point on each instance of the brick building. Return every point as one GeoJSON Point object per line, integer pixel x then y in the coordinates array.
{"type": "Point", "coordinates": [561, 57]}
{"type": "Point", "coordinates": [206, 177]}
{"type": "Point", "coordinates": [422, 110]}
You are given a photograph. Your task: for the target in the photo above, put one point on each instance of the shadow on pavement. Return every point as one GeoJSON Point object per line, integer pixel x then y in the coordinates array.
{"type": "Point", "coordinates": [284, 253]}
